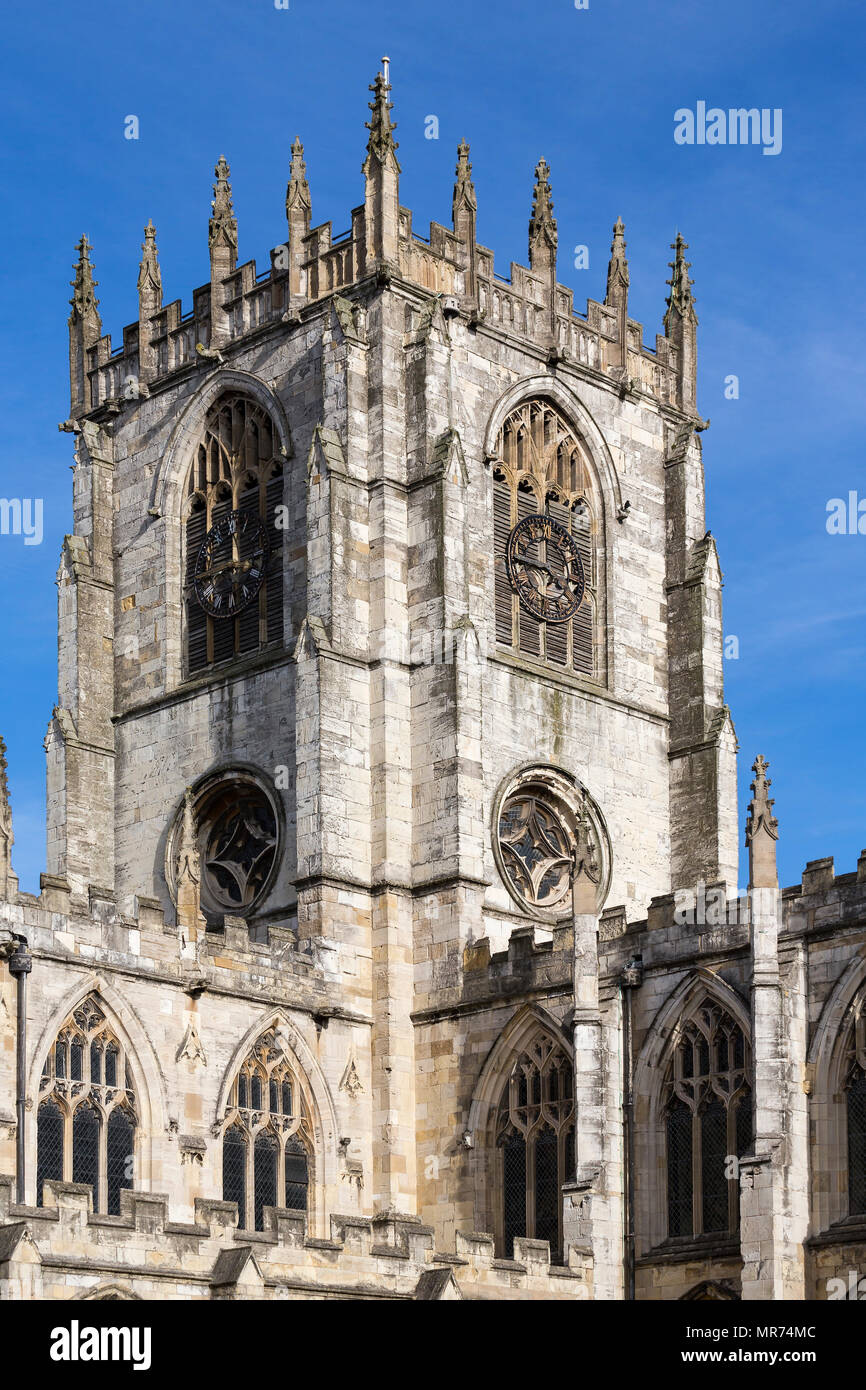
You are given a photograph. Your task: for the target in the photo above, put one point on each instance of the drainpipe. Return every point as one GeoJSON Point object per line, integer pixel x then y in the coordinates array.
{"type": "Point", "coordinates": [20, 965]}
{"type": "Point", "coordinates": [630, 979]}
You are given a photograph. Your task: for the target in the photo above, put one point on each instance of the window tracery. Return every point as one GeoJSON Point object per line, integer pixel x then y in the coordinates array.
{"type": "Point", "coordinates": [541, 468]}
{"type": "Point", "coordinates": [546, 827]}
{"type": "Point", "coordinates": [267, 1136]}
{"type": "Point", "coordinates": [855, 1104]}
{"type": "Point", "coordinates": [535, 1145]}
{"type": "Point", "coordinates": [708, 1114]}
{"type": "Point", "coordinates": [86, 1113]}
{"type": "Point", "coordinates": [234, 488]}
{"type": "Point", "coordinates": [238, 836]}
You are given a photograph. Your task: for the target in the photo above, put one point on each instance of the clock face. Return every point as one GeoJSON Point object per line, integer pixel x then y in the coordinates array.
{"type": "Point", "coordinates": [230, 567]}
{"type": "Point", "coordinates": [545, 569]}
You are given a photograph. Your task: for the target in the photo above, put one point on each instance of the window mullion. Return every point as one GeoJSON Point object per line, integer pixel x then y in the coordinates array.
{"type": "Point", "coordinates": [101, 1194]}
{"type": "Point", "coordinates": [530, 1187]}
{"type": "Point", "coordinates": [67, 1144]}
{"type": "Point", "coordinates": [697, 1175]}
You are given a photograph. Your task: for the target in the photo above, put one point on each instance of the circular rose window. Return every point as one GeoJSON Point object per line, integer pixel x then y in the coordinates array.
{"type": "Point", "coordinates": [238, 840]}
{"type": "Point", "coordinates": [546, 823]}
{"type": "Point", "coordinates": [238, 844]}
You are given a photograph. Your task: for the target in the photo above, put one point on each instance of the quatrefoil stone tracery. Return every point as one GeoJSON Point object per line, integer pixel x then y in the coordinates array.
{"type": "Point", "coordinates": [547, 830]}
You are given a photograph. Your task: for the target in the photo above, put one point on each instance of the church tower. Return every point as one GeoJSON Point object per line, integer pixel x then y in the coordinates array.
{"type": "Point", "coordinates": [390, 721]}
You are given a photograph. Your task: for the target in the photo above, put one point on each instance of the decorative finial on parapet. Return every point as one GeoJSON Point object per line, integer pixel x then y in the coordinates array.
{"type": "Point", "coordinates": [381, 142]}
{"type": "Point", "coordinates": [149, 274]}
{"type": "Point", "coordinates": [617, 270]}
{"type": "Point", "coordinates": [762, 831]}
{"type": "Point", "coordinates": [223, 227]}
{"type": "Point", "coordinates": [8, 881]}
{"type": "Point", "coordinates": [298, 191]}
{"type": "Point", "coordinates": [83, 299]}
{"type": "Point", "coordinates": [464, 188]}
{"type": "Point", "coordinates": [542, 223]}
{"type": "Point", "coordinates": [85, 329]}
{"type": "Point", "coordinates": [680, 300]}
{"type": "Point", "coordinates": [190, 918]}
{"type": "Point", "coordinates": [585, 869]}
{"type": "Point", "coordinates": [5, 809]}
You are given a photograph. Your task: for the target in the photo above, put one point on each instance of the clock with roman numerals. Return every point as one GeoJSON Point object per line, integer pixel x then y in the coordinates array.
{"type": "Point", "coordinates": [230, 566]}
{"type": "Point", "coordinates": [545, 569]}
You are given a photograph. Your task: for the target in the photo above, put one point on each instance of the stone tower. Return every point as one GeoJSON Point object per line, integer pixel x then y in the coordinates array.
{"type": "Point", "coordinates": [390, 718]}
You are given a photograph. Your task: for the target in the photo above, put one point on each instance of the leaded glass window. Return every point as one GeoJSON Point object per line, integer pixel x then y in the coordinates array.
{"type": "Point", "coordinates": [857, 1145]}
{"type": "Point", "coordinates": [855, 1099]}
{"type": "Point", "coordinates": [49, 1144]}
{"type": "Point", "coordinates": [708, 1123]}
{"type": "Point", "coordinates": [85, 1121]}
{"type": "Point", "coordinates": [267, 1140]}
{"type": "Point", "coordinates": [535, 1145]}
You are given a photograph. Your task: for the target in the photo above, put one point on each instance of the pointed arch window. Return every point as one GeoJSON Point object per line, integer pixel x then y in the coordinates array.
{"type": "Point", "coordinates": [534, 1146]}
{"type": "Point", "coordinates": [541, 467]}
{"type": "Point", "coordinates": [855, 1106]}
{"type": "Point", "coordinates": [237, 471]}
{"type": "Point", "coordinates": [86, 1115]}
{"type": "Point", "coordinates": [267, 1136]}
{"type": "Point", "coordinates": [708, 1120]}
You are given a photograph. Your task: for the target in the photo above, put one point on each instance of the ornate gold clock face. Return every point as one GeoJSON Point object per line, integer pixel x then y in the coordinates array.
{"type": "Point", "coordinates": [545, 569]}
{"type": "Point", "coordinates": [230, 567]}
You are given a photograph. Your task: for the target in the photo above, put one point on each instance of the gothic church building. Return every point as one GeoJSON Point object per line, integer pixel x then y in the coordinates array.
{"type": "Point", "coordinates": [390, 943]}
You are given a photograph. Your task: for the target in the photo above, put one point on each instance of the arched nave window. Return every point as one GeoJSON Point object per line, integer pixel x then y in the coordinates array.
{"type": "Point", "coordinates": [266, 1142]}
{"type": "Point", "coordinates": [534, 1145]}
{"type": "Point", "coordinates": [855, 1106]}
{"type": "Point", "coordinates": [708, 1122]}
{"type": "Point", "coordinates": [86, 1114]}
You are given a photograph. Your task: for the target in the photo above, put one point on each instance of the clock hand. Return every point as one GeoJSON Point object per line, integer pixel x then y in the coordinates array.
{"type": "Point", "coordinates": [240, 567]}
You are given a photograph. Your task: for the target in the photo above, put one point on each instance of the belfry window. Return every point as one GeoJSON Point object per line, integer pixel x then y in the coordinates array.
{"type": "Point", "coordinates": [546, 581]}
{"type": "Point", "coordinates": [86, 1115]}
{"type": "Point", "coordinates": [266, 1137]}
{"type": "Point", "coordinates": [708, 1122]}
{"type": "Point", "coordinates": [535, 1146]}
{"type": "Point", "coordinates": [233, 563]}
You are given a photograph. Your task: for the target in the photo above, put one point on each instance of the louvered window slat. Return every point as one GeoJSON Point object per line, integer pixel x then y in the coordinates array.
{"type": "Point", "coordinates": [504, 597]}
{"type": "Point", "coordinates": [235, 458]}
{"type": "Point", "coordinates": [543, 457]}
{"type": "Point", "coordinates": [196, 619]}
{"type": "Point", "coordinates": [556, 634]}
{"type": "Point", "coordinates": [222, 629]}
{"type": "Point", "coordinates": [273, 587]}
{"type": "Point", "coordinates": [528, 626]}
{"type": "Point", "coordinates": [248, 620]}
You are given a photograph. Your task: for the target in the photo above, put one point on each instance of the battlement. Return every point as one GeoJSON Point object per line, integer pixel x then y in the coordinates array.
{"type": "Point", "coordinates": [380, 246]}
{"type": "Point", "coordinates": [63, 1246]}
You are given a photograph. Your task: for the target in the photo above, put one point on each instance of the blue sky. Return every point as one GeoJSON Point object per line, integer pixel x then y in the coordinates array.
{"type": "Point", "coordinates": [775, 244]}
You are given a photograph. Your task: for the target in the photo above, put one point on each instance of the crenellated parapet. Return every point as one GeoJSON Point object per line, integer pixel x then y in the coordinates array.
{"type": "Point", "coordinates": [529, 305]}
{"type": "Point", "coordinates": [63, 1249]}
